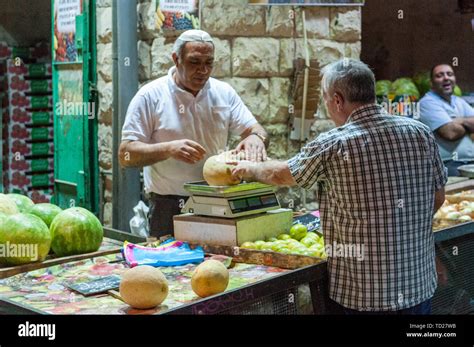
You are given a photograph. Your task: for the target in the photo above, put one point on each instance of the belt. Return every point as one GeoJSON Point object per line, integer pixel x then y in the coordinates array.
{"type": "Point", "coordinates": [169, 197]}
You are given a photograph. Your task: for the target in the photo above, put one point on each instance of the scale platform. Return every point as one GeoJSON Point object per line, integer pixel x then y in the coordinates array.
{"type": "Point", "coordinates": [243, 199]}
{"type": "Point", "coordinates": [231, 215]}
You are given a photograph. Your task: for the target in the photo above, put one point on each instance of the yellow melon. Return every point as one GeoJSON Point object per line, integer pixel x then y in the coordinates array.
{"type": "Point", "coordinates": [217, 173]}
{"type": "Point", "coordinates": [143, 287]}
{"type": "Point", "coordinates": [210, 278]}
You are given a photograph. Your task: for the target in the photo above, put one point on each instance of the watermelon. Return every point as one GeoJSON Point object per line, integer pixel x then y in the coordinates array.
{"type": "Point", "coordinates": [24, 238]}
{"type": "Point", "coordinates": [405, 86]}
{"type": "Point", "coordinates": [382, 87]}
{"type": "Point", "coordinates": [457, 91]}
{"type": "Point", "coordinates": [75, 231]}
{"type": "Point", "coordinates": [3, 216]}
{"type": "Point", "coordinates": [7, 205]}
{"type": "Point", "coordinates": [46, 212]}
{"type": "Point", "coordinates": [23, 202]}
{"type": "Point", "coordinates": [423, 82]}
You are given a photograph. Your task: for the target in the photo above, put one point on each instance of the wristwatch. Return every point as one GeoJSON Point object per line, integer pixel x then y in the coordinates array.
{"type": "Point", "coordinates": [263, 138]}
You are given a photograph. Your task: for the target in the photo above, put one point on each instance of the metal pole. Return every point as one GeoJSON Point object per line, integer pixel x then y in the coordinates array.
{"type": "Point", "coordinates": [126, 182]}
{"type": "Point", "coordinates": [305, 96]}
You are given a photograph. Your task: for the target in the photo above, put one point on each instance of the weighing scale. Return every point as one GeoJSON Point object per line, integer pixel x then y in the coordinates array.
{"type": "Point", "coordinates": [231, 215]}
{"type": "Point", "coordinates": [230, 201]}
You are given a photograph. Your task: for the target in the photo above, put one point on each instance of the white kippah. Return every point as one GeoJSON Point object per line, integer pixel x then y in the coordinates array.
{"type": "Point", "coordinates": [195, 35]}
{"type": "Point", "coordinates": [191, 36]}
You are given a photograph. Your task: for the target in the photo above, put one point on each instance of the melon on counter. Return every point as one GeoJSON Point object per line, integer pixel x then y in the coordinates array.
{"type": "Point", "coordinates": [23, 202]}
{"type": "Point", "coordinates": [209, 278]}
{"type": "Point", "coordinates": [75, 231]}
{"type": "Point", "coordinates": [217, 173]}
{"type": "Point", "coordinates": [26, 237]}
{"type": "Point", "coordinates": [143, 287]}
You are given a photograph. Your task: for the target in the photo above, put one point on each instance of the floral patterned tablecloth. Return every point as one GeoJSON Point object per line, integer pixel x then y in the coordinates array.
{"type": "Point", "coordinates": [45, 289]}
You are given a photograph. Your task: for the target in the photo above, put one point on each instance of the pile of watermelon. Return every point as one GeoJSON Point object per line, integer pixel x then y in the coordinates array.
{"type": "Point", "coordinates": [415, 87]}
{"type": "Point", "coordinates": [44, 227]}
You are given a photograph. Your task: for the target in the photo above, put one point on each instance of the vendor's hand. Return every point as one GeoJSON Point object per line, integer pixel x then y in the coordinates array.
{"type": "Point", "coordinates": [187, 151]}
{"type": "Point", "coordinates": [253, 147]}
{"type": "Point", "coordinates": [472, 136]}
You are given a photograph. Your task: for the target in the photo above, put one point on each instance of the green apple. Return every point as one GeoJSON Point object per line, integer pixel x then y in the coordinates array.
{"type": "Point", "coordinates": [272, 239]}
{"type": "Point", "coordinates": [298, 231]}
{"type": "Point", "coordinates": [308, 241]}
{"type": "Point", "coordinates": [248, 245]}
{"type": "Point", "coordinates": [312, 235]}
{"type": "Point", "coordinates": [259, 244]}
{"type": "Point", "coordinates": [285, 250]}
{"type": "Point", "coordinates": [283, 237]}
{"type": "Point", "coordinates": [267, 246]}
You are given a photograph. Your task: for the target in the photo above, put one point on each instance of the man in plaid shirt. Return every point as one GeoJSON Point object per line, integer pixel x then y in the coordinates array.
{"type": "Point", "coordinates": [379, 180]}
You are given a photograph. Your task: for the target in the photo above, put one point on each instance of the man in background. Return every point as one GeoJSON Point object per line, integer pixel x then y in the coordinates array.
{"type": "Point", "coordinates": [450, 118]}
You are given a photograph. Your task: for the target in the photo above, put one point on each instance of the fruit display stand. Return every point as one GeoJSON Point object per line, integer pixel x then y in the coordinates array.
{"type": "Point", "coordinates": [112, 243]}
{"type": "Point", "coordinates": [256, 285]}
{"type": "Point", "coordinates": [454, 252]}
{"type": "Point", "coordinates": [261, 282]}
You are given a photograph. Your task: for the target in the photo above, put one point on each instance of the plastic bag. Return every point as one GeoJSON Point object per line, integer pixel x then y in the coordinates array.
{"type": "Point", "coordinates": [169, 253]}
{"type": "Point", "coordinates": [139, 222]}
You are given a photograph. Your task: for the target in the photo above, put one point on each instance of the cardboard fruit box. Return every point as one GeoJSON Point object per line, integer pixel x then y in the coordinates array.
{"type": "Point", "coordinates": [31, 149]}
{"type": "Point", "coordinates": [23, 132]}
{"type": "Point", "coordinates": [19, 115]}
{"type": "Point", "coordinates": [29, 86]}
{"type": "Point", "coordinates": [32, 165]}
{"type": "Point", "coordinates": [21, 181]}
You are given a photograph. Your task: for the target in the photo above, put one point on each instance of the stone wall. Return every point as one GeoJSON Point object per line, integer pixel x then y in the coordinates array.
{"type": "Point", "coordinates": [104, 86]}
{"type": "Point", "coordinates": [255, 49]}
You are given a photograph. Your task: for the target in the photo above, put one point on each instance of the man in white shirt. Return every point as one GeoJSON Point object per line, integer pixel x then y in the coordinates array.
{"type": "Point", "coordinates": [174, 123]}
{"type": "Point", "coordinates": [450, 118]}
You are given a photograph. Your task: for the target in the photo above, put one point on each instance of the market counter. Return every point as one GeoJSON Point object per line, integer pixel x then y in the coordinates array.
{"type": "Point", "coordinates": [43, 291]}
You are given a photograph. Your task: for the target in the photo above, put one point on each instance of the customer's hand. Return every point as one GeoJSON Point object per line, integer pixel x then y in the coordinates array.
{"type": "Point", "coordinates": [187, 151]}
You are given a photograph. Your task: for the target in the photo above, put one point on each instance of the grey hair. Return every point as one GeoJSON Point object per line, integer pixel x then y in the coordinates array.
{"type": "Point", "coordinates": [190, 36]}
{"type": "Point", "coordinates": [350, 77]}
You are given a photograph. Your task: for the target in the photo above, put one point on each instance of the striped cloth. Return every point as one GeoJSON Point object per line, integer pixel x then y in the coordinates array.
{"type": "Point", "coordinates": [375, 178]}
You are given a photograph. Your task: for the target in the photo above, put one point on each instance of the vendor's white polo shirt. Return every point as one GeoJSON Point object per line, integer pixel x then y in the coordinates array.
{"type": "Point", "coordinates": [162, 112]}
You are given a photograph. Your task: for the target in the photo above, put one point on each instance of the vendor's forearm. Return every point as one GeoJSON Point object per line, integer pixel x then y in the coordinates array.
{"type": "Point", "coordinates": [468, 123]}
{"type": "Point", "coordinates": [274, 173]}
{"type": "Point", "coordinates": [139, 154]}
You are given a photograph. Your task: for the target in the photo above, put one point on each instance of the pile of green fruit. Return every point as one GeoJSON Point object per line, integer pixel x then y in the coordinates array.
{"type": "Point", "coordinates": [297, 241]}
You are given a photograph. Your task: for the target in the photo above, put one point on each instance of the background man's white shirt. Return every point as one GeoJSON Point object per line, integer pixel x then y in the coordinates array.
{"type": "Point", "coordinates": [162, 112]}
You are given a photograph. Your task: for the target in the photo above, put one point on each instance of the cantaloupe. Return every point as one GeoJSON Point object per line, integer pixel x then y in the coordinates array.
{"type": "Point", "coordinates": [143, 287]}
{"type": "Point", "coordinates": [209, 278]}
{"type": "Point", "coordinates": [217, 173]}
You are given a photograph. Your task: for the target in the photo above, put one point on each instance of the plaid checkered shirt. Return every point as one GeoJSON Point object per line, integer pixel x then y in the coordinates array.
{"type": "Point", "coordinates": [375, 178]}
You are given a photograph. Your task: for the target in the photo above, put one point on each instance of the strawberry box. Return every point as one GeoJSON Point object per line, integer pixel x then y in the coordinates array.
{"type": "Point", "coordinates": [28, 70]}
{"type": "Point", "coordinates": [27, 149]}
{"type": "Point", "coordinates": [22, 181]}
{"type": "Point", "coordinates": [22, 116]}
{"type": "Point", "coordinates": [20, 131]}
{"type": "Point", "coordinates": [32, 86]}
{"type": "Point", "coordinates": [32, 165]}
{"type": "Point", "coordinates": [41, 195]}
{"type": "Point", "coordinates": [31, 102]}
{"type": "Point", "coordinates": [8, 52]}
